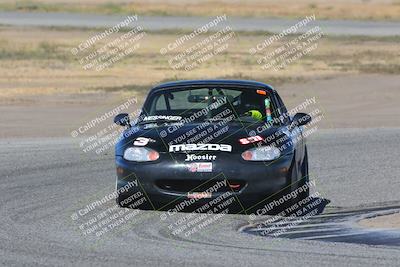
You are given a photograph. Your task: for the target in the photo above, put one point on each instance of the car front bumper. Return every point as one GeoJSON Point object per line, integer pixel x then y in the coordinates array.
{"type": "Point", "coordinates": [166, 182]}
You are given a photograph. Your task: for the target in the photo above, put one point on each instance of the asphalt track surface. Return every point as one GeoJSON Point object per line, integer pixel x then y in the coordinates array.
{"type": "Point", "coordinates": [340, 226]}
{"type": "Point", "coordinates": [276, 25]}
{"type": "Point", "coordinates": [44, 181]}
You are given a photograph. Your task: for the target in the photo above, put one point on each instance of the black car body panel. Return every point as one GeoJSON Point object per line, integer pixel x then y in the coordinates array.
{"type": "Point", "coordinates": [169, 179]}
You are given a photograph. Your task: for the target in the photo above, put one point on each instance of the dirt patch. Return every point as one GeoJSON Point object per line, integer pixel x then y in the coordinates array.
{"type": "Point", "coordinates": [350, 101]}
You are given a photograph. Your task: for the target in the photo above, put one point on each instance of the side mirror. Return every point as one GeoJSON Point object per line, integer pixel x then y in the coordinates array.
{"type": "Point", "coordinates": [300, 119]}
{"type": "Point", "coordinates": [122, 119]}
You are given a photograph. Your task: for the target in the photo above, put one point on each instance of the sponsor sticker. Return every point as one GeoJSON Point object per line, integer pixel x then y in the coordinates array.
{"type": "Point", "coordinates": [162, 117]}
{"type": "Point", "coordinates": [194, 157]}
{"type": "Point", "coordinates": [251, 139]}
{"type": "Point", "coordinates": [200, 167]}
{"type": "Point", "coordinates": [200, 147]}
{"type": "Point", "coordinates": [142, 141]}
{"type": "Point", "coordinates": [199, 195]}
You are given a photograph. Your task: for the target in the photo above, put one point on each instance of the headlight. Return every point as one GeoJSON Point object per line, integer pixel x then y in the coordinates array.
{"type": "Point", "coordinates": [140, 154]}
{"type": "Point", "coordinates": [263, 153]}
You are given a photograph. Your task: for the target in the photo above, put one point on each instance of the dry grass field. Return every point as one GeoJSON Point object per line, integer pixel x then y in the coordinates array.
{"type": "Point", "coordinates": [43, 85]}
{"type": "Point", "coordinates": [325, 9]}
{"type": "Point", "coordinates": [39, 61]}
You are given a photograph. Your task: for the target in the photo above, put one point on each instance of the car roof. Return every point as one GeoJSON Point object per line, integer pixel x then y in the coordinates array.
{"type": "Point", "coordinates": [196, 83]}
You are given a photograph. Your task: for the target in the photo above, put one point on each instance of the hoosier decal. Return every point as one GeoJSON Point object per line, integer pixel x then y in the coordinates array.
{"type": "Point", "coordinates": [193, 157]}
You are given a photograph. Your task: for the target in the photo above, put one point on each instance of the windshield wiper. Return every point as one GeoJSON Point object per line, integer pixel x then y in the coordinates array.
{"type": "Point", "coordinates": [214, 119]}
{"type": "Point", "coordinates": [157, 121]}
{"type": "Point", "coordinates": [247, 119]}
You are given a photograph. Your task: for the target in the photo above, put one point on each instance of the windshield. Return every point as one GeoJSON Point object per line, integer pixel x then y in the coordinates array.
{"type": "Point", "coordinates": [205, 104]}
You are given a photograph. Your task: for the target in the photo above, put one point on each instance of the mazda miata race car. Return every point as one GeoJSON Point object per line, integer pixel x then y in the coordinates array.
{"type": "Point", "coordinates": [212, 146]}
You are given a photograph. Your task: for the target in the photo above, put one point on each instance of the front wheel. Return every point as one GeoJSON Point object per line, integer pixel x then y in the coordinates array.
{"type": "Point", "coordinates": [304, 179]}
{"type": "Point", "coordinates": [298, 178]}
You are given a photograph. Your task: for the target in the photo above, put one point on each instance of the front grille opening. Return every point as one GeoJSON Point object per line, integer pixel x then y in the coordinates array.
{"type": "Point", "coordinates": [184, 186]}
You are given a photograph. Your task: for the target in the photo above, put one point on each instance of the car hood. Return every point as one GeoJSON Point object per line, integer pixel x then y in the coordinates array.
{"type": "Point", "coordinates": [166, 138]}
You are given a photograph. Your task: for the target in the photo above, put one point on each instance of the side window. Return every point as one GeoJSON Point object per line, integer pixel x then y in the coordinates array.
{"type": "Point", "coordinates": [281, 108]}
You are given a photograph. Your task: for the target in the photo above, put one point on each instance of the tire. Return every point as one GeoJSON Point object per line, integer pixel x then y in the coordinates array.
{"type": "Point", "coordinates": [292, 185]}
{"type": "Point", "coordinates": [295, 176]}
{"type": "Point", "coordinates": [304, 179]}
{"type": "Point", "coordinates": [298, 178]}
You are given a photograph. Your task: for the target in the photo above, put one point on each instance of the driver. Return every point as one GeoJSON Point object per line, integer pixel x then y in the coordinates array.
{"type": "Point", "coordinates": [250, 105]}
{"type": "Point", "coordinates": [255, 114]}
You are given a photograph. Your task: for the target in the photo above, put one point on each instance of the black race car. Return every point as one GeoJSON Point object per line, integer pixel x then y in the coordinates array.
{"type": "Point", "coordinates": [212, 146]}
